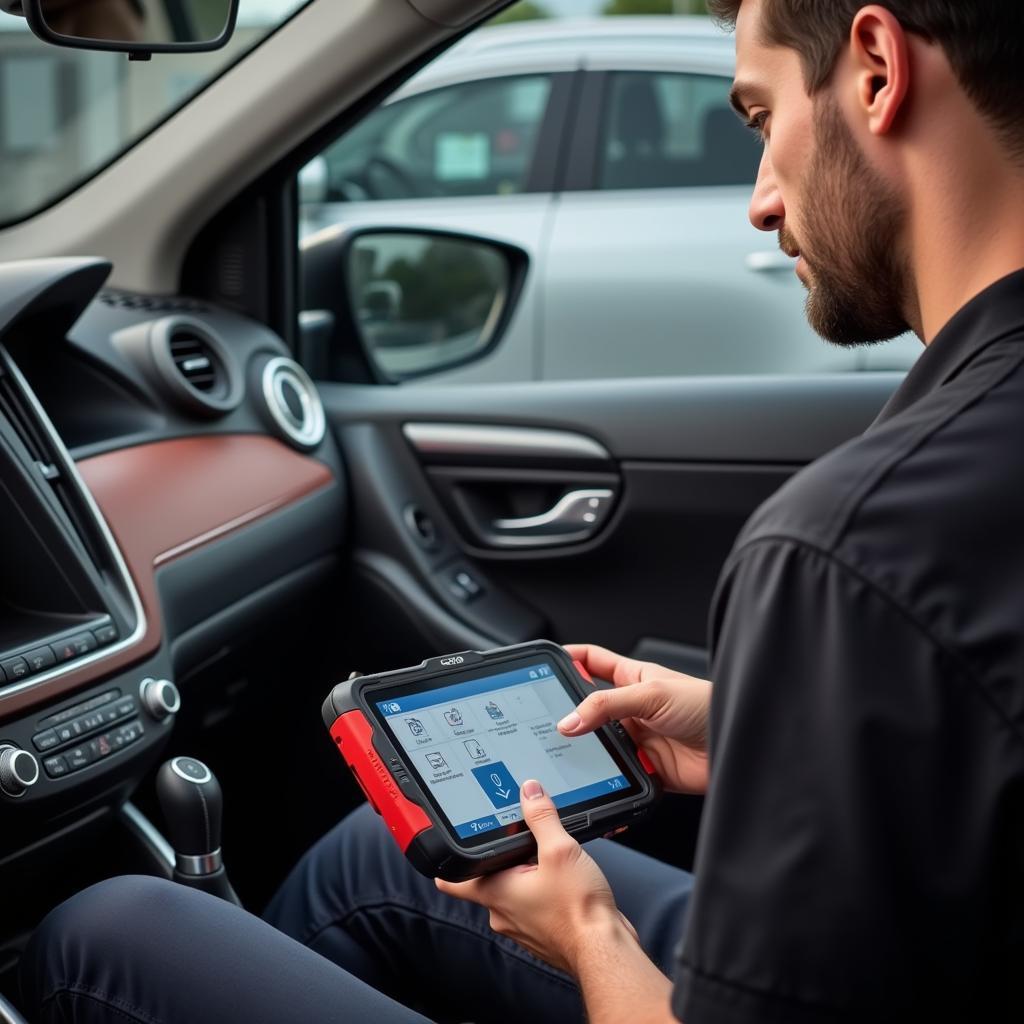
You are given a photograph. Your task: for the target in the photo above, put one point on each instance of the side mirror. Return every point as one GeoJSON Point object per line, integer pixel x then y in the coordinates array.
{"type": "Point", "coordinates": [136, 27]}
{"type": "Point", "coordinates": [425, 301]}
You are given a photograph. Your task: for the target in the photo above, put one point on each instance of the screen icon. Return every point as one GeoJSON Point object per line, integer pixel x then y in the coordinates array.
{"type": "Point", "coordinates": [453, 717]}
{"type": "Point", "coordinates": [436, 761]}
{"type": "Point", "coordinates": [497, 782]}
{"type": "Point", "coordinates": [474, 749]}
{"type": "Point", "coordinates": [415, 726]}
{"type": "Point", "coordinates": [494, 711]}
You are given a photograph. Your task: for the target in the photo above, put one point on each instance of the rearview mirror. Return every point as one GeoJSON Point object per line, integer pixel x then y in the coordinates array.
{"type": "Point", "coordinates": [136, 27]}
{"type": "Point", "coordinates": [425, 301]}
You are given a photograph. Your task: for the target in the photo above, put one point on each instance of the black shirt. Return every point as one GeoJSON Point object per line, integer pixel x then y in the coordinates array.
{"type": "Point", "coordinates": [862, 850]}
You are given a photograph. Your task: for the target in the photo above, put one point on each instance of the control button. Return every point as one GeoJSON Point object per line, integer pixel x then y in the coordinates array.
{"type": "Point", "coordinates": [126, 734]}
{"type": "Point", "coordinates": [91, 721]}
{"type": "Point", "coordinates": [65, 734]}
{"type": "Point", "coordinates": [45, 740]}
{"type": "Point", "coordinates": [160, 697]}
{"type": "Point", "coordinates": [79, 757]}
{"type": "Point", "coordinates": [125, 707]}
{"type": "Point", "coordinates": [459, 593]}
{"type": "Point", "coordinates": [105, 634]}
{"type": "Point", "coordinates": [100, 747]}
{"type": "Point", "coordinates": [56, 766]}
{"type": "Point", "coordinates": [83, 643]}
{"type": "Point", "coordinates": [77, 727]}
{"type": "Point", "coordinates": [19, 769]}
{"type": "Point", "coordinates": [40, 658]}
{"type": "Point", "coordinates": [15, 668]}
{"type": "Point", "coordinates": [110, 715]}
{"type": "Point", "coordinates": [467, 582]}
{"type": "Point", "coordinates": [64, 651]}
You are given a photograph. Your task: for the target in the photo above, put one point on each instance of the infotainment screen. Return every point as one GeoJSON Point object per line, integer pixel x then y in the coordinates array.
{"type": "Point", "coordinates": [475, 738]}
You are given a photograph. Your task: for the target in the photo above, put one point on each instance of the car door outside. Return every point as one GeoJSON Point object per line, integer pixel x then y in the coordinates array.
{"type": "Point", "coordinates": [653, 267]}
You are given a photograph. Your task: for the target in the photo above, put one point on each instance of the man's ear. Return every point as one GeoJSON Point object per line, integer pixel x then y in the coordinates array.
{"type": "Point", "coordinates": [881, 59]}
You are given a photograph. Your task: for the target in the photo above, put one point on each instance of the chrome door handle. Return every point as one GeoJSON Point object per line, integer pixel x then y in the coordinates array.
{"type": "Point", "coordinates": [574, 517]}
{"type": "Point", "coordinates": [768, 260]}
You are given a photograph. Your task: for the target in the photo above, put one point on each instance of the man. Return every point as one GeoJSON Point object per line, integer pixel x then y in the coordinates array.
{"type": "Point", "coordinates": [862, 850]}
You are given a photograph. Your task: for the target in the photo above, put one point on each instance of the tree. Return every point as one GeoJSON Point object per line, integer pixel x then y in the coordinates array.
{"type": "Point", "coordinates": [654, 7]}
{"type": "Point", "coordinates": [525, 10]}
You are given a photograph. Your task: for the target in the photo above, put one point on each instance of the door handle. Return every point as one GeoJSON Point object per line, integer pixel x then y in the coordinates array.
{"type": "Point", "coordinates": [574, 517]}
{"type": "Point", "coordinates": [767, 260]}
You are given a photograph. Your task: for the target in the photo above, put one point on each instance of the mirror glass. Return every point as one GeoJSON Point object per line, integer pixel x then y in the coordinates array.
{"type": "Point", "coordinates": [142, 22]}
{"type": "Point", "coordinates": [425, 302]}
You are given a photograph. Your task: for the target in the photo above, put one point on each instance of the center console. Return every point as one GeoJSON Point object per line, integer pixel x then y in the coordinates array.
{"type": "Point", "coordinates": [81, 719]}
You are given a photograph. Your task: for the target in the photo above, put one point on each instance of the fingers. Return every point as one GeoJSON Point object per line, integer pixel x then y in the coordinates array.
{"type": "Point", "coordinates": [541, 817]}
{"type": "Point", "coordinates": [605, 664]}
{"type": "Point", "coordinates": [611, 705]}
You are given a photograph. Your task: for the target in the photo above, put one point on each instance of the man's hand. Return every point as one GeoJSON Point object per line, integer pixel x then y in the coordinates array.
{"type": "Point", "coordinates": [551, 906]}
{"type": "Point", "coordinates": [665, 712]}
{"type": "Point", "coordinates": [562, 910]}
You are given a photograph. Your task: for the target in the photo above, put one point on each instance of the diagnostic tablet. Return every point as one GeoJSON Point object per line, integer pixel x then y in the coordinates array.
{"type": "Point", "coordinates": [441, 751]}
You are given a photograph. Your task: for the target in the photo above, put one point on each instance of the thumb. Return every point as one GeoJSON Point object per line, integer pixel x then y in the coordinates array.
{"type": "Point", "coordinates": [638, 700]}
{"type": "Point", "coordinates": [541, 817]}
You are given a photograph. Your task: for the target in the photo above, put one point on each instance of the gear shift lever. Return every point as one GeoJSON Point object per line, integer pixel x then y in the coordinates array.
{"type": "Point", "coordinates": [192, 803]}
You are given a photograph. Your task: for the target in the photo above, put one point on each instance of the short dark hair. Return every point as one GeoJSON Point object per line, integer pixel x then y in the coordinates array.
{"type": "Point", "coordinates": [982, 39]}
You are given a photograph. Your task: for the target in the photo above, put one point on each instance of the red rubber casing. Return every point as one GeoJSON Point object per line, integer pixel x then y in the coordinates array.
{"type": "Point", "coordinates": [353, 734]}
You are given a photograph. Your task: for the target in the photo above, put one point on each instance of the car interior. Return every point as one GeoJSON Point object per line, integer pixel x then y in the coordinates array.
{"type": "Point", "coordinates": [220, 501]}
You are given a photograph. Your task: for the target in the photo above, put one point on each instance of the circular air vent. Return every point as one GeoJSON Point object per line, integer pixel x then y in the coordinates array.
{"type": "Point", "coordinates": [196, 367]}
{"type": "Point", "coordinates": [293, 402]}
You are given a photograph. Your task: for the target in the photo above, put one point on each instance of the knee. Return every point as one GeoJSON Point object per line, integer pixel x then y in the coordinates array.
{"type": "Point", "coordinates": [106, 924]}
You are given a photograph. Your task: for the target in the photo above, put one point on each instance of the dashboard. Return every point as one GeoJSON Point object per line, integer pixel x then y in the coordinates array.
{"type": "Point", "coordinates": [167, 476]}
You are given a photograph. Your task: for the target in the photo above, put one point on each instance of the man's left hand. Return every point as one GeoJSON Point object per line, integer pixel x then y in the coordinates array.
{"type": "Point", "coordinates": [550, 906]}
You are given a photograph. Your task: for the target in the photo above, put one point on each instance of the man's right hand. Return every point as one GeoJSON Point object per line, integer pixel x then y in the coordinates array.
{"type": "Point", "coordinates": [665, 712]}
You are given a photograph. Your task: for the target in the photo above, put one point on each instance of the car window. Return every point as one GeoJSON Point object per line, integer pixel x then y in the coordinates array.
{"type": "Point", "coordinates": [65, 114]}
{"type": "Point", "coordinates": [471, 139]}
{"type": "Point", "coordinates": [671, 130]}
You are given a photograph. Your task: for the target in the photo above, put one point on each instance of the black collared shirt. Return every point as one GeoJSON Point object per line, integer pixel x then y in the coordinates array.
{"type": "Point", "coordinates": [862, 849]}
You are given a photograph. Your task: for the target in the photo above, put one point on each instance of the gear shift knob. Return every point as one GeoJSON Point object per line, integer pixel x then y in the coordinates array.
{"type": "Point", "coordinates": [193, 807]}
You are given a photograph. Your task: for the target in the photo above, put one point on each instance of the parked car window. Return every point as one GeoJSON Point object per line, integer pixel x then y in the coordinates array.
{"type": "Point", "coordinates": [671, 130]}
{"type": "Point", "coordinates": [472, 139]}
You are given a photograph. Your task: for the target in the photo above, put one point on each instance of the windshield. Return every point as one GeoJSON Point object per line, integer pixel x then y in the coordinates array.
{"type": "Point", "coordinates": [65, 114]}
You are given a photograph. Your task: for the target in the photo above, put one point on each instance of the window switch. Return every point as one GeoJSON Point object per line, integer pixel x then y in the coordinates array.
{"type": "Point", "coordinates": [466, 582]}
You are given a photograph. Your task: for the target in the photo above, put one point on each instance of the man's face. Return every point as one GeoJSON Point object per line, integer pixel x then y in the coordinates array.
{"type": "Point", "coordinates": [817, 189]}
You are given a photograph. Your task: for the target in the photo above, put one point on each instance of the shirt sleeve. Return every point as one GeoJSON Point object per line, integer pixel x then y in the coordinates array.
{"type": "Point", "coordinates": [850, 864]}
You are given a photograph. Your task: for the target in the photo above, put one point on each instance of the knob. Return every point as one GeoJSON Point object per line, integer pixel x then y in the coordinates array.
{"type": "Point", "coordinates": [160, 697]}
{"type": "Point", "coordinates": [19, 769]}
{"type": "Point", "coordinates": [191, 800]}
{"type": "Point", "coordinates": [193, 807]}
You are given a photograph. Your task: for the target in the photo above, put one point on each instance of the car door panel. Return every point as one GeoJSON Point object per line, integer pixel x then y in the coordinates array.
{"type": "Point", "coordinates": [688, 460]}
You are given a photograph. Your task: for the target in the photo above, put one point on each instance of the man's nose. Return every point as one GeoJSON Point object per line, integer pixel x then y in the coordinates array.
{"type": "Point", "coordinates": [767, 212]}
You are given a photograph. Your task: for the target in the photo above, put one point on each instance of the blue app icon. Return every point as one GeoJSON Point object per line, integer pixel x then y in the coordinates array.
{"type": "Point", "coordinates": [497, 782]}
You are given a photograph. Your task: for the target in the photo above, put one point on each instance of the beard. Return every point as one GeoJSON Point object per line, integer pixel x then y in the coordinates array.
{"type": "Point", "coordinates": [859, 282]}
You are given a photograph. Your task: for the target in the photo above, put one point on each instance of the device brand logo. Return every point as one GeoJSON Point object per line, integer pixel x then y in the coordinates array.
{"type": "Point", "coordinates": [457, 660]}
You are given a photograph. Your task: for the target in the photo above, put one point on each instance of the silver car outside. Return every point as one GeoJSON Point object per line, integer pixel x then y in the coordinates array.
{"type": "Point", "coordinates": [642, 258]}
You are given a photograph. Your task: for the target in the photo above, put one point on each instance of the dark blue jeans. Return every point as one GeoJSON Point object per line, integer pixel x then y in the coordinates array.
{"type": "Point", "coordinates": [352, 921]}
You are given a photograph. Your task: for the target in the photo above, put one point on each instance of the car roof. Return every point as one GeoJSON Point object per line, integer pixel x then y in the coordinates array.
{"type": "Point", "coordinates": [656, 42]}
